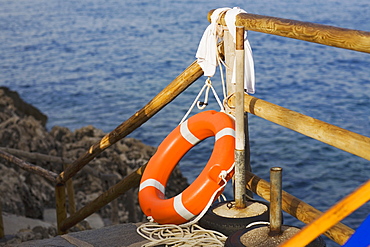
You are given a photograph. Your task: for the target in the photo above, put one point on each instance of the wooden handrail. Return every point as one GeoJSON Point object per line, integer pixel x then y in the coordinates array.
{"type": "Point", "coordinates": [49, 175]}
{"type": "Point", "coordinates": [330, 134]}
{"type": "Point", "coordinates": [168, 94]}
{"type": "Point", "coordinates": [130, 181]}
{"type": "Point", "coordinates": [317, 33]}
{"type": "Point", "coordinates": [297, 208]}
{"type": "Point", "coordinates": [33, 156]}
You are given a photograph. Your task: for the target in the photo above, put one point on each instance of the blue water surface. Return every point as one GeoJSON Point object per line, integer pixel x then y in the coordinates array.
{"type": "Point", "coordinates": [96, 62]}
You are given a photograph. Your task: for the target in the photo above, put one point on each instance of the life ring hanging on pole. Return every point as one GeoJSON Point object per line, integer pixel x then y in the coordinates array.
{"type": "Point", "coordinates": [196, 197]}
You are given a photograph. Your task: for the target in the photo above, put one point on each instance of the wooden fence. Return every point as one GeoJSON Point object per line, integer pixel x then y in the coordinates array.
{"type": "Point", "coordinates": [325, 132]}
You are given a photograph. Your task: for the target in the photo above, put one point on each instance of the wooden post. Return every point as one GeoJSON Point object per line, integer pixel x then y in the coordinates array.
{"type": "Point", "coordinates": [60, 199]}
{"type": "Point", "coordinates": [239, 120]}
{"type": "Point", "coordinates": [335, 214]}
{"type": "Point", "coordinates": [1, 219]}
{"type": "Point", "coordinates": [70, 194]}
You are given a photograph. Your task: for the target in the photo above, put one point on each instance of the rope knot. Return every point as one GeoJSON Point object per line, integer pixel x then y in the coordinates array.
{"type": "Point", "coordinates": [150, 219]}
{"type": "Point", "coordinates": [223, 174]}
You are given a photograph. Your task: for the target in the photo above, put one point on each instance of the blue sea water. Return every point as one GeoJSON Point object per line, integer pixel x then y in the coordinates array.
{"type": "Point", "coordinates": [96, 62]}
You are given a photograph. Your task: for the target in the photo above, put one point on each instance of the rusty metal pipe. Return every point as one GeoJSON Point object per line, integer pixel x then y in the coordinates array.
{"type": "Point", "coordinates": [275, 200]}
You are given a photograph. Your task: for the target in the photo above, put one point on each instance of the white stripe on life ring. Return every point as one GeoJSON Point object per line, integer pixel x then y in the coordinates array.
{"type": "Point", "coordinates": [185, 132]}
{"type": "Point", "coordinates": [153, 183]}
{"type": "Point", "coordinates": [225, 132]}
{"type": "Point", "coordinates": [180, 208]}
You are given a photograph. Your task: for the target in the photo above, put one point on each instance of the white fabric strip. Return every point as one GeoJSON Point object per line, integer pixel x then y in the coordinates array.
{"type": "Point", "coordinates": [224, 132]}
{"type": "Point", "coordinates": [249, 77]}
{"type": "Point", "coordinates": [185, 132]}
{"type": "Point", "coordinates": [207, 50]}
{"type": "Point", "coordinates": [153, 183]}
{"type": "Point", "coordinates": [180, 208]}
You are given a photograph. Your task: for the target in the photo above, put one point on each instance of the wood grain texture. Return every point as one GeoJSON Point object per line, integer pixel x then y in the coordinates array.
{"type": "Point", "coordinates": [130, 181]}
{"type": "Point", "coordinates": [327, 133]}
{"type": "Point", "coordinates": [49, 175]}
{"type": "Point", "coordinates": [177, 86]}
{"type": "Point", "coordinates": [317, 33]}
{"type": "Point", "coordinates": [307, 31]}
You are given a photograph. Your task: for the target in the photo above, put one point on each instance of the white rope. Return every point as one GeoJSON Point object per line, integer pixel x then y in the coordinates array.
{"type": "Point", "coordinates": [187, 234]}
{"type": "Point", "coordinates": [207, 86]}
{"type": "Point", "coordinates": [201, 105]}
{"type": "Point", "coordinates": [174, 235]}
{"type": "Point", "coordinates": [257, 223]}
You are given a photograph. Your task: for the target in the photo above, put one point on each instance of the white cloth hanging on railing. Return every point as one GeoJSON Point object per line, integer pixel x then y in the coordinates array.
{"type": "Point", "coordinates": [249, 78]}
{"type": "Point", "coordinates": [207, 50]}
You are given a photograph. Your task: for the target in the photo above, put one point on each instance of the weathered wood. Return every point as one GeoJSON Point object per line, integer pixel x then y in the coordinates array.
{"type": "Point", "coordinates": [34, 156]}
{"type": "Point", "coordinates": [49, 175]}
{"type": "Point", "coordinates": [307, 31]}
{"type": "Point", "coordinates": [335, 214]}
{"type": "Point", "coordinates": [2, 234]}
{"type": "Point", "coordinates": [317, 33]}
{"type": "Point", "coordinates": [70, 194]}
{"type": "Point", "coordinates": [330, 134]}
{"type": "Point", "coordinates": [130, 181]}
{"type": "Point", "coordinates": [169, 93]}
{"type": "Point", "coordinates": [297, 208]}
{"type": "Point", "coordinates": [60, 205]}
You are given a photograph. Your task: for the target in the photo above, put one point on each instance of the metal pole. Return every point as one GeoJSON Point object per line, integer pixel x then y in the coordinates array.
{"type": "Point", "coordinates": [239, 124]}
{"type": "Point", "coordinates": [275, 200]}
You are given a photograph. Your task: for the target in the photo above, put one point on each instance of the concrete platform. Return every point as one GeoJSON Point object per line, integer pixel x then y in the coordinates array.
{"type": "Point", "coordinates": [112, 236]}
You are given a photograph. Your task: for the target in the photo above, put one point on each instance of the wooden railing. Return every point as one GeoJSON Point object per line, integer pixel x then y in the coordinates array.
{"type": "Point", "coordinates": [317, 33]}
{"type": "Point", "coordinates": [177, 86]}
{"type": "Point", "coordinates": [327, 133]}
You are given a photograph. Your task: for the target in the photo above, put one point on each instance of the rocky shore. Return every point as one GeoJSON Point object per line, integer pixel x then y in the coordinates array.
{"type": "Point", "coordinates": [22, 127]}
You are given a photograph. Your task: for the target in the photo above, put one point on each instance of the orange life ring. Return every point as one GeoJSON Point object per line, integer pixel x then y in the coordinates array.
{"type": "Point", "coordinates": [193, 199]}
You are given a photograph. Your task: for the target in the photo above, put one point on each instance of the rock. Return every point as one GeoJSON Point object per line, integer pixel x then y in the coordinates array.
{"type": "Point", "coordinates": [12, 104]}
{"type": "Point", "coordinates": [22, 193]}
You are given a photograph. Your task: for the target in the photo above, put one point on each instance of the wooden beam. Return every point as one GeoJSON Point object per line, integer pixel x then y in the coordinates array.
{"type": "Point", "coordinates": [130, 181]}
{"type": "Point", "coordinates": [307, 31]}
{"type": "Point", "coordinates": [330, 134]}
{"type": "Point", "coordinates": [49, 175]}
{"type": "Point", "coordinates": [317, 33]}
{"type": "Point", "coordinates": [168, 94]}
{"type": "Point", "coordinates": [60, 204]}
